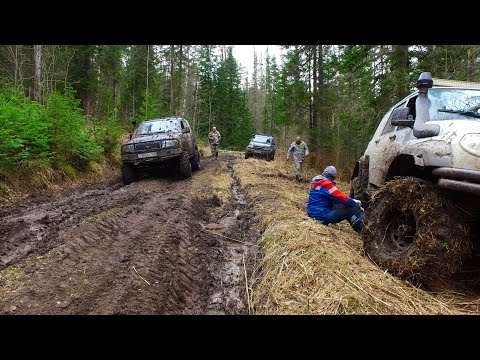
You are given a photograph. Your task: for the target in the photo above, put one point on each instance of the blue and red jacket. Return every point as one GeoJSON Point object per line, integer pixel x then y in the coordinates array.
{"type": "Point", "coordinates": [323, 195]}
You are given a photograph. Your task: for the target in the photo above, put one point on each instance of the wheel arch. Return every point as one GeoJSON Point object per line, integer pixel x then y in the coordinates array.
{"type": "Point", "coordinates": [401, 166]}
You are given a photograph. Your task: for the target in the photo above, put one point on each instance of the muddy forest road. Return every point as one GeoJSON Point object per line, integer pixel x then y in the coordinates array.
{"type": "Point", "coordinates": [155, 246]}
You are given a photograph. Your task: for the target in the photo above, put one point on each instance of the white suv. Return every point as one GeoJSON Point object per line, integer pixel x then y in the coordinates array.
{"type": "Point", "coordinates": [420, 178]}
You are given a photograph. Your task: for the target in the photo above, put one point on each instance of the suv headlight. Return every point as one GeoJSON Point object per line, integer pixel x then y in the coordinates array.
{"type": "Point", "coordinates": [170, 143]}
{"type": "Point", "coordinates": [471, 144]}
{"type": "Point", "coordinates": [128, 148]}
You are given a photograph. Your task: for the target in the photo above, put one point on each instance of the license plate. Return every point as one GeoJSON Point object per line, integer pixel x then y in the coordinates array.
{"type": "Point", "coordinates": [146, 155]}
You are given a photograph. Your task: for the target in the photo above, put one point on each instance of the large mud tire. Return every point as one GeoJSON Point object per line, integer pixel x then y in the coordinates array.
{"type": "Point", "coordinates": [195, 162]}
{"type": "Point", "coordinates": [183, 169]}
{"type": "Point", "coordinates": [414, 232]}
{"type": "Point", "coordinates": [359, 184]}
{"type": "Point", "coordinates": [129, 174]}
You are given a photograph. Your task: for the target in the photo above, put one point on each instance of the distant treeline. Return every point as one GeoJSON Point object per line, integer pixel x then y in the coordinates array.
{"type": "Point", "coordinates": [64, 106]}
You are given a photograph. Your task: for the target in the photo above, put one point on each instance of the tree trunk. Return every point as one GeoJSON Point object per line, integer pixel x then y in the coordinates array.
{"type": "Point", "coordinates": [146, 87]}
{"type": "Point", "coordinates": [179, 107]}
{"type": "Point", "coordinates": [319, 115]}
{"type": "Point", "coordinates": [310, 90]}
{"type": "Point", "coordinates": [171, 77]}
{"type": "Point", "coordinates": [195, 94]}
{"type": "Point", "coordinates": [472, 54]}
{"type": "Point", "coordinates": [255, 90]}
{"type": "Point", "coordinates": [400, 66]}
{"type": "Point", "coordinates": [315, 90]}
{"type": "Point", "coordinates": [37, 85]}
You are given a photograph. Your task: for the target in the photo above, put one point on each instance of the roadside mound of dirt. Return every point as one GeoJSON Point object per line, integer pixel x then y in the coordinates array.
{"type": "Point", "coordinates": [45, 182]}
{"type": "Point", "coordinates": [310, 268]}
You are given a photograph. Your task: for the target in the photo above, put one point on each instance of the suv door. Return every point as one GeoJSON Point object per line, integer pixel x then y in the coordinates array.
{"type": "Point", "coordinates": [187, 144]}
{"type": "Point", "coordinates": [386, 144]}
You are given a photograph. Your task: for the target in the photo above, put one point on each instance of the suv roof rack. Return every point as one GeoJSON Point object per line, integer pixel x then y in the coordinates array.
{"type": "Point", "coordinates": [455, 83]}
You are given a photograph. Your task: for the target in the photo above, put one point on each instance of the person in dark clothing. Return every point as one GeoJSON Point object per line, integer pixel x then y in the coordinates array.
{"type": "Point", "coordinates": [329, 205]}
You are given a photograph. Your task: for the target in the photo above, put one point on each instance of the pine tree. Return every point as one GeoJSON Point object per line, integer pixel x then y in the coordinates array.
{"type": "Point", "coordinates": [231, 112]}
{"type": "Point", "coordinates": [84, 76]}
{"type": "Point", "coordinates": [206, 89]}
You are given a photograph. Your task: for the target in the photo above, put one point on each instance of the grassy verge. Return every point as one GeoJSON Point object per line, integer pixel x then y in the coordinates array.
{"type": "Point", "coordinates": [310, 268]}
{"type": "Point", "coordinates": [37, 178]}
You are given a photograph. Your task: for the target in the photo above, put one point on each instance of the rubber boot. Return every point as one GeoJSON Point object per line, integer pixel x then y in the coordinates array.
{"type": "Point", "coordinates": [357, 224]}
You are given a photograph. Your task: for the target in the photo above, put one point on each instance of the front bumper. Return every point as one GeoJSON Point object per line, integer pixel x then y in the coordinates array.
{"type": "Point", "coordinates": [161, 157]}
{"type": "Point", "coordinates": [462, 180]}
{"type": "Point", "coordinates": [258, 151]}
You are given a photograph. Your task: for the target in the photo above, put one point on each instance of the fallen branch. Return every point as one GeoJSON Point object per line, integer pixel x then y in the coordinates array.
{"type": "Point", "coordinates": [246, 283]}
{"type": "Point", "coordinates": [141, 277]}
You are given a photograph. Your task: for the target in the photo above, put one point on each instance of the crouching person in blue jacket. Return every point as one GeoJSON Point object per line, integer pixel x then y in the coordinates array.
{"type": "Point", "coordinates": [329, 205]}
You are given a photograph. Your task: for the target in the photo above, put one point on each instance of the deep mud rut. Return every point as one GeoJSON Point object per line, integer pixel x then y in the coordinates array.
{"type": "Point", "coordinates": [153, 247]}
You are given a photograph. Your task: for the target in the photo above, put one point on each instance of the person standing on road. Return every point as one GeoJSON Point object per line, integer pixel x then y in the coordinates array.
{"type": "Point", "coordinates": [214, 141]}
{"type": "Point", "coordinates": [329, 205]}
{"type": "Point", "coordinates": [299, 150]}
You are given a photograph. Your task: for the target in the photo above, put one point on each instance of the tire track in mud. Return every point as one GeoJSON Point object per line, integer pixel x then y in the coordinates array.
{"type": "Point", "coordinates": [36, 228]}
{"type": "Point", "coordinates": [138, 249]}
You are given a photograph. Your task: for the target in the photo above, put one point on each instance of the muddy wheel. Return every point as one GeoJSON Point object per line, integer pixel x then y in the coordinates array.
{"type": "Point", "coordinates": [195, 161]}
{"type": "Point", "coordinates": [356, 189]}
{"type": "Point", "coordinates": [247, 156]}
{"type": "Point", "coordinates": [413, 231]}
{"type": "Point", "coordinates": [183, 169]}
{"type": "Point", "coordinates": [359, 184]}
{"type": "Point", "coordinates": [129, 174]}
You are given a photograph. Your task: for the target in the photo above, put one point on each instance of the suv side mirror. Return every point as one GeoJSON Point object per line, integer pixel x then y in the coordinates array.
{"type": "Point", "coordinates": [130, 136]}
{"type": "Point", "coordinates": [399, 117]}
{"type": "Point", "coordinates": [134, 123]}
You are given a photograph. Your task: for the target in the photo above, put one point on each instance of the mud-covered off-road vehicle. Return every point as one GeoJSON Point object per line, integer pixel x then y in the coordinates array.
{"type": "Point", "coordinates": [157, 143]}
{"type": "Point", "coordinates": [420, 180]}
{"type": "Point", "coordinates": [261, 146]}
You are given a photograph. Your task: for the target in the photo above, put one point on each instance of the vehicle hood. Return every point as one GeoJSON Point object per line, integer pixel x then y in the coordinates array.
{"type": "Point", "coordinates": [153, 137]}
{"type": "Point", "coordinates": [451, 134]}
{"type": "Point", "coordinates": [451, 129]}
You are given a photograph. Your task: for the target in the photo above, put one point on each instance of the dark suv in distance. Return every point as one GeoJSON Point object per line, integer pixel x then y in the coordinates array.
{"type": "Point", "coordinates": [262, 146]}
{"type": "Point", "coordinates": [158, 143]}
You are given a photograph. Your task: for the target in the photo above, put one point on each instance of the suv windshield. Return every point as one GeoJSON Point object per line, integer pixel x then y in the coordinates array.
{"type": "Point", "coordinates": [262, 139]}
{"type": "Point", "coordinates": [454, 104]}
{"type": "Point", "coordinates": [154, 127]}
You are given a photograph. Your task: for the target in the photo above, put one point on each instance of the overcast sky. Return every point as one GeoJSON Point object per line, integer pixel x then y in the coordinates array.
{"type": "Point", "coordinates": [244, 54]}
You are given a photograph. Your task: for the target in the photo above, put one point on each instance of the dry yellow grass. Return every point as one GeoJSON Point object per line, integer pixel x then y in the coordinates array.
{"type": "Point", "coordinates": [214, 180]}
{"type": "Point", "coordinates": [310, 268]}
{"type": "Point", "coordinates": [204, 150]}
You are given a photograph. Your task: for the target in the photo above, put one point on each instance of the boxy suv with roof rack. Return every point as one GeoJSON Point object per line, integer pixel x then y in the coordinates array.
{"type": "Point", "coordinates": [261, 145]}
{"type": "Point", "coordinates": [157, 143]}
{"type": "Point", "coordinates": [420, 178]}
